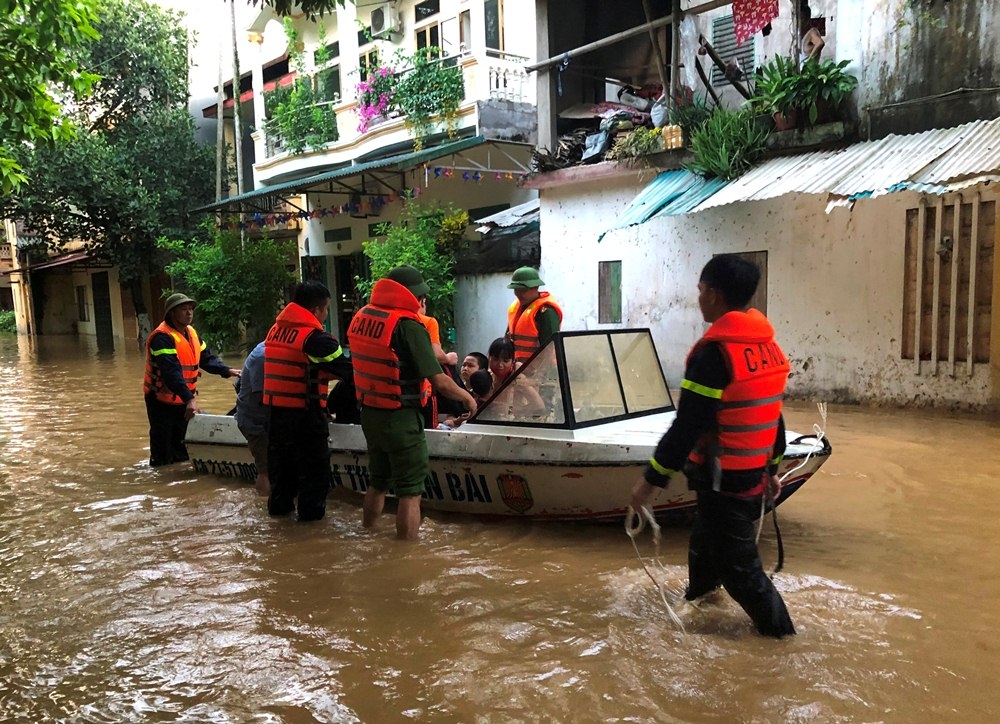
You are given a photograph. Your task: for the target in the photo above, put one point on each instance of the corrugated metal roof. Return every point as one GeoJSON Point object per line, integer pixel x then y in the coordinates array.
{"type": "Point", "coordinates": [693, 195]}
{"type": "Point", "coordinates": [658, 194]}
{"type": "Point", "coordinates": [521, 214]}
{"type": "Point", "coordinates": [933, 161]}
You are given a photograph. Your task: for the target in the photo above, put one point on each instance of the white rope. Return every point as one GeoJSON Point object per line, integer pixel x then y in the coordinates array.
{"type": "Point", "coordinates": [634, 525]}
{"type": "Point", "coordinates": [819, 434]}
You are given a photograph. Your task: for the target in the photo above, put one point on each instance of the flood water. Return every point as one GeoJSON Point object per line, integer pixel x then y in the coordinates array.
{"type": "Point", "coordinates": [132, 594]}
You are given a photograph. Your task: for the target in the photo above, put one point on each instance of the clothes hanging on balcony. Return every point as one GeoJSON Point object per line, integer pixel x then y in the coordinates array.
{"type": "Point", "coordinates": [750, 16]}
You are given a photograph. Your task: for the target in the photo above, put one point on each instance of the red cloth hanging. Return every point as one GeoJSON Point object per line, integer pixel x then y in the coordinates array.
{"type": "Point", "coordinates": [749, 16]}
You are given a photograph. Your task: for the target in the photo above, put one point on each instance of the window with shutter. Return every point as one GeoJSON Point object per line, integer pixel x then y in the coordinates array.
{"type": "Point", "coordinates": [724, 42]}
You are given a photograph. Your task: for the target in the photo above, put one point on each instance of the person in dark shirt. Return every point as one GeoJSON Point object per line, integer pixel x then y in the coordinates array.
{"type": "Point", "coordinates": [251, 415]}
{"type": "Point", "coordinates": [299, 359]}
{"type": "Point", "coordinates": [174, 354]}
{"type": "Point", "coordinates": [728, 438]}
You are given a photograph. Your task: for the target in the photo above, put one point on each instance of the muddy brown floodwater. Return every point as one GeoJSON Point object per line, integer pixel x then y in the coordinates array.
{"type": "Point", "coordinates": [128, 594]}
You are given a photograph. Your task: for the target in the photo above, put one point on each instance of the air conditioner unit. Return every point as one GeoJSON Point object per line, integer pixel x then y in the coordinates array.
{"type": "Point", "coordinates": [385, 21]}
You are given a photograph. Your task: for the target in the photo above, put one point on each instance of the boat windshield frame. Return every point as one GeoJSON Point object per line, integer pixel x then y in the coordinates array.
{"type": "Point", "coordinates": [597, 364]}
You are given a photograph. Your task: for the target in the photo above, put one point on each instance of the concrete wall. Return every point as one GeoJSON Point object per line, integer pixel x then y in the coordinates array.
{"type": "Point", "coordinates": [835, 291]}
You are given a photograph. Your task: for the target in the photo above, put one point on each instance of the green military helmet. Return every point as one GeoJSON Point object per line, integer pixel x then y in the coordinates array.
{"type": "Point", "coordinates": [176, 300]}
{"type": "Point", "coordinates": [525, 278]}
{"type": "Point", "coordinates": [411, 278]}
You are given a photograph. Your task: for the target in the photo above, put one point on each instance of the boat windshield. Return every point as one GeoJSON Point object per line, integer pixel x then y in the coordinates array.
{"type": "Point", "coordinates": [583, 378]}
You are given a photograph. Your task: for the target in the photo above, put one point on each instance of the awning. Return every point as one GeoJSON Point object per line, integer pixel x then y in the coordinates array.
{"type": "Point", "coordinates": [378, 171]}
{"type": "Point", "coordinates": [670, 193]}
{"type": "Point", "coordinates": [77, 257]}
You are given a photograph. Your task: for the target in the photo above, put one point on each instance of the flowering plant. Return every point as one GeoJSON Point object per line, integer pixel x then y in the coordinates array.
{"type": "Point", "coordinates": [375, 94]}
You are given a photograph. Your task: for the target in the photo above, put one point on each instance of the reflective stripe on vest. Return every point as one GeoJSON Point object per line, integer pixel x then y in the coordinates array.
{"type": "Point", "coordinates": [292, 378]}
{"type": "Point", "coordinates": [751, 402]}
{"type": "Point", "coordinates": [187, 348]}
{"type": "Point", "coordinates": [522, 328]}
{"type": "Point", "coordinates": [376, 364]}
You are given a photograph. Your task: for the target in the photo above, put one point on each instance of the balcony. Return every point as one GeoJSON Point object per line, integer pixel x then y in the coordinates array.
{"type": "Point", "coordinates": [498, 103]}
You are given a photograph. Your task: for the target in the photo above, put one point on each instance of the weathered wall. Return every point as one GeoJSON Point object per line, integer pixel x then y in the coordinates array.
{"type": "Point", "coordinates": [835, 292]}
{"type": "Point", "coordinates": [923, 52]}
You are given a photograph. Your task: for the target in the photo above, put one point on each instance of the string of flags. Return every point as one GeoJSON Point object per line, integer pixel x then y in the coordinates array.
{"type": "Point", "coordinates": [359, 206]}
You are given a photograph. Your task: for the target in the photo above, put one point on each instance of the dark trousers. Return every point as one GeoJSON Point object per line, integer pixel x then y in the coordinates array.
{"type": "Point", "coordinates": [167, 428]}
{"type": "Point", "coordinates": [723, 551]}
{"type": "Point", "coordinates": [298, 462]}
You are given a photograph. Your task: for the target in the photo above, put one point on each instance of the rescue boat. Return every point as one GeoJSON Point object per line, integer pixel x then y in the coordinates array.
{"type": "Point", "coordinates": [564, 439]}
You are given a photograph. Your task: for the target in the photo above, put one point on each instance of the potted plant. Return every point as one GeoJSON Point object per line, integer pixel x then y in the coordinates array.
{"type": "Point", "coordinates": [808, 94]}
{"type": "Point", "coordinates": [375, 96]}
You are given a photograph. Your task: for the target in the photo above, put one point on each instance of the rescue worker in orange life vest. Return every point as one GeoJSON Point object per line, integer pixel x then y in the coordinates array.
{"type": "Point", "coordinates": [299, 359]}
{"type": "Point", "coordinates": [394, 371]}
{"type": "Point", "coordinates": [728, 438]}
{"type": "Point", "coordinates": [533, 317]}
{"type": "Point", "coordinates": [174, 354]}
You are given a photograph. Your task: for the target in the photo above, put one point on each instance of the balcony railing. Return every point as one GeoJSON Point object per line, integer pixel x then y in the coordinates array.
{"type": "Point", "coordinates": [275, 142]}
{"type": "Point", "coordinates": [504, 77]}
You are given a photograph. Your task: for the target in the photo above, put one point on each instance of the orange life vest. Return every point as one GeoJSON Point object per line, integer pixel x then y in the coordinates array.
{"type": "Point", "coordinates": [521, 326]}
{"type": "Point", "coordinates": [290, 380]}
{"type": "Point", "coordinates": [376, 364]}
{"type": "Point", "coordinates": [751, 402]}
{"type": "Point", "coordinates": [188, 349]}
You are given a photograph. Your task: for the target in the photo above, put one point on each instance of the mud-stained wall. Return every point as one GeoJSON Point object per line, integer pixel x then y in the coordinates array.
{"type": "Point", "coordinates": [835, 286]}
{"type": "Point", "coordinates": [941, 58]}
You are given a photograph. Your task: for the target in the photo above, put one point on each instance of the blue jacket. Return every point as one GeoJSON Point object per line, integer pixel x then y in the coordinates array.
{"type": "Point", "coordinates": [251, 415]}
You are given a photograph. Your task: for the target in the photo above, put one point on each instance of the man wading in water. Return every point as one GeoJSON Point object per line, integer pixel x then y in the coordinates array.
{"type": "Point", "coordinates": [729, 437]}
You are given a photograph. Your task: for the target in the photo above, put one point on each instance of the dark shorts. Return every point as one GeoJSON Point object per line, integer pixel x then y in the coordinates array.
{"type": "Point", "coordinates": [397, 450]}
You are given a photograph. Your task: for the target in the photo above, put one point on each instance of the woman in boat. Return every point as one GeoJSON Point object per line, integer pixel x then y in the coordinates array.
{"type": "Point", "coordinates": [521, 399]}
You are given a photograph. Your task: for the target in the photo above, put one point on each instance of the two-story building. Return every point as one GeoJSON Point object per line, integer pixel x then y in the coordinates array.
{"type": "Point", "coordinates": [877, 244]}
{"type": "Point", "coordinates": [333, 193]}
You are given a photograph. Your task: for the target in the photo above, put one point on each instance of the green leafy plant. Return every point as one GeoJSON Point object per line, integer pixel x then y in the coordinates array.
{"type": "Point", "coordinates": [428, 238]}
{"type": "Point", "coordinates": [690, 111]}
{"type": "Point", "coordinates": [8, 322]}
{"type": "Point", "coordinates": [301, 114]}
{"type": "Point", "coordinates": [635, 144]}
{"type": "Point", "coordinates": [728, 144]}
{"type": "Point", "coordinates": [431, 91]}
{"type": "Point", "coordinates": [239, 288]}
{"type": "Point", "coordinates": [782, 88]}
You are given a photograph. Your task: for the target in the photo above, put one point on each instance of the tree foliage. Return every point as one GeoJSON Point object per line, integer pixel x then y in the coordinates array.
{"type": "Point", "coordinates": [312, 8]}
{"type": "Point", "coordinates": [38, 64]}
{"type": "Point", "coordinates": [238, 287]}
{"type": "Point", "coordinates": [428, 238]}
{"type": "Point", "coordinates": [136, 171]}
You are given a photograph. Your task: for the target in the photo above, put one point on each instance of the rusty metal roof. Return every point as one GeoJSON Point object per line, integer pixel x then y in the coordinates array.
{"type": "Point", "coordinates": [935, 161]}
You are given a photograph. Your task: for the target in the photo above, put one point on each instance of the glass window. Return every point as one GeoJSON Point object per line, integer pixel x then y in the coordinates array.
{"type": "Point", "coordinates": [368, 62]}
{"type": "Point", "coordinates": [494, 24]}
{"type": "Point", "coordinates": [532, 394]}
{"type": "Point", "coordinates": [593, 381]}
{"type": "Point", "coordinates": [425, 9]}
{"type": "Point", "coordinates": [429, 36]}
{"type": "Point", "coordinates": [328, 84]}
{"type": "Point", "coordinates": [640, 372]}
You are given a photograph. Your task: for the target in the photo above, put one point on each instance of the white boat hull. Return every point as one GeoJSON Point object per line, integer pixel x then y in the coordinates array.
{"type": "Point", "coordinates": [516, 472]}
